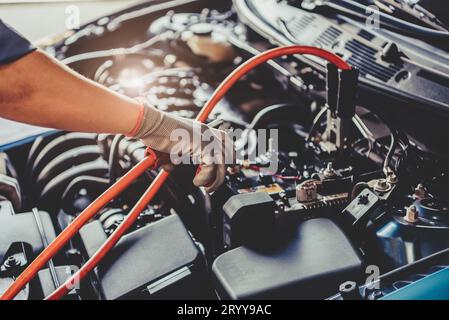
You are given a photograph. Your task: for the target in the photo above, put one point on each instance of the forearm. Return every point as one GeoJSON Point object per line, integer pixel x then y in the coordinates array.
{"type": "Point", "coordinates": [38, 90]}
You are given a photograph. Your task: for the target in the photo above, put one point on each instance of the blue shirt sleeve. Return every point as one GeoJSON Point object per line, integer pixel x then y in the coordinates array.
{"type": "Point", "coordinates": [12, 44]}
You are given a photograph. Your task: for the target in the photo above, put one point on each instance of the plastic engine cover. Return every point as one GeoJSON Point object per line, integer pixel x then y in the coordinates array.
{"type": "Point", "coordinates": [156, 261]}
{"type": "Point", "coordinates": [311, 265]}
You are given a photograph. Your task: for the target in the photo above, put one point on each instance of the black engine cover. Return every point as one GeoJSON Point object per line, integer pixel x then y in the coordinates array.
{"type": "Point", "coordinates": [311, 265]}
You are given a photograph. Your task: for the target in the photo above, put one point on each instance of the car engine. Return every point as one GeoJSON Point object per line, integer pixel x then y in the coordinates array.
{"type": "Point", "coordinates": [355, 207]}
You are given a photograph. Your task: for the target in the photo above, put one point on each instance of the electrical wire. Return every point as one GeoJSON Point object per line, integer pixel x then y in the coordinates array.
{"type": "Point", "coordinates": [316, 122]}
{"type": "Point", "coordinates": [157, 183]}
{"type": "Point", "coordinates": [397, 139]}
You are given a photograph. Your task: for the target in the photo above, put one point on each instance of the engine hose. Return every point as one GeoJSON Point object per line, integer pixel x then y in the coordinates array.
{"type": "Point", "coordinates": [113, 156]}
{"type": "Point", "coordinates": [157, 183]}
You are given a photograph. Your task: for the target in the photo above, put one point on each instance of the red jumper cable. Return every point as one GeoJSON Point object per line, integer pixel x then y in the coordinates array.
{"type": "Point", "coordinates": [148, 162]}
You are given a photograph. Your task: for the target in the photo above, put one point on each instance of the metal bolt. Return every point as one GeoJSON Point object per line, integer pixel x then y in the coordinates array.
{"type": "Point", "coordinates": [420, 191]}
{"type": "Point", "coordinates": [329, 171]}
{"type": "Point", "coordinates": [411, 215]}
{"type": "Point", "coordinates": [11, 262]}
{"type": "Point", "coordinates": [382, 185]}
{"type": "Point", "coordinates": [392, 178]}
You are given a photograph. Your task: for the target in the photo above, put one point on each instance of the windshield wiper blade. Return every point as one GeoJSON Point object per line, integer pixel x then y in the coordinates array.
{"type": "Point", "coordinates": [412, 8]}
{"type": "Point", "coordinates": [360, 11]}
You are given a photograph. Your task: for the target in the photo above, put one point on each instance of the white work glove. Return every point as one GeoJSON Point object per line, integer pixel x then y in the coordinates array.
{"type": "Point", "coordinates": [183, 139]}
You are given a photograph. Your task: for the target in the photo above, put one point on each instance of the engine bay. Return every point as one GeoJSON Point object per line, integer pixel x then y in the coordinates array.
{"type": "Point", "coordinates": [346, 197]}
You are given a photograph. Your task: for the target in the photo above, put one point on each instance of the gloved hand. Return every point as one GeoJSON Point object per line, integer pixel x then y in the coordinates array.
{"type": "Point", "coordinates": [188, 141]}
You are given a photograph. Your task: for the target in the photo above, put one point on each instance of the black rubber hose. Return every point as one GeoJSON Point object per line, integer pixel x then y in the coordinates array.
{"type": "Point", "coordinates": [113, 157]}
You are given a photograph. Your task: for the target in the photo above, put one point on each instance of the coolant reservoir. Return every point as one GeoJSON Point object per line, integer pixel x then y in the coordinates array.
{"type": "Point", "coordinates": [203, 41]}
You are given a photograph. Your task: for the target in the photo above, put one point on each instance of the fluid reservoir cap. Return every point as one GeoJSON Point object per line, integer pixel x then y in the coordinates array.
{"type": "Point", "coordinates": [201, 29]}
{"type": "Point", "coordinates": [203, 41]}
{"type": "Point", "coordinates": [433, 209]}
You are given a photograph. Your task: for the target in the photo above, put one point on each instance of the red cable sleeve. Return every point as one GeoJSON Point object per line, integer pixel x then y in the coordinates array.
{"type": "Point", "coordinates": [222, 89]}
